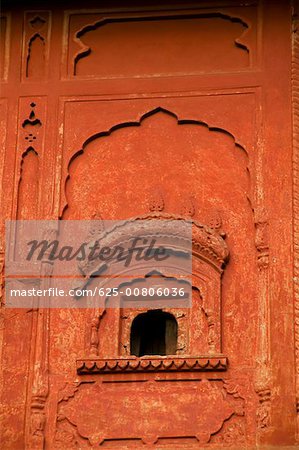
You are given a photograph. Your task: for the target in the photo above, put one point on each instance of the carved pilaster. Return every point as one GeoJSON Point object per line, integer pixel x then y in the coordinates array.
{"type": "Point", "coordinates": [211, 332]}
{"type": "Point", "coordinates": [262, 378]}
{"type": "Point", "coordinates": [94, 334]}
{"type": "Point", "coordinates": [94, 338]}
{"type": "Point", "coordinates": [264, 408]}
{"type": "Point", "coordinates": [262, 239]}
{"type": "Point", "coordinates": [40, 380]}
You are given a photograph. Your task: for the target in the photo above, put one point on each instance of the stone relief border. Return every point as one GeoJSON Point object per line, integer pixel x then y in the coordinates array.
{"type": "Point", "coordinates": [226, 394]}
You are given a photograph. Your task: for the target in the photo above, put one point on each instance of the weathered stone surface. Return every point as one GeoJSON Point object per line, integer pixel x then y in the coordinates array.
{"type": "Point", "coordinates": [154, 110]}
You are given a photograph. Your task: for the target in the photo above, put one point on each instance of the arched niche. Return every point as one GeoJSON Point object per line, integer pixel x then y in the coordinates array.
{"type": "Point", "coordinates": [116, 171]}
{"type": "Point", "coordinates": [209, 258]}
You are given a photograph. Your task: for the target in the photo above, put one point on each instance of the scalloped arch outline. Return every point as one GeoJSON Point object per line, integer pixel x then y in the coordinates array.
{"type": "Point", "coordinates": [86, 50]}
{"type": "Point", "coordinates": [145, 116]}
{"type": "Point", "coordinates": [29, 150]}
{"type": "Point", "coordinates": [36, 36]}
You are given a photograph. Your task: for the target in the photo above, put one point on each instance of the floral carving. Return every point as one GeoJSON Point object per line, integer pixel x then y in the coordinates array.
{"type": "Point", "coordinates": [264, 408]}
{"type": "Point", "coordinates": [232, 433]}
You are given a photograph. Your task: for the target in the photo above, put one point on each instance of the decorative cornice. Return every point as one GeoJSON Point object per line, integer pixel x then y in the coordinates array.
{"type": "Point", "coordinates": [151, 364]}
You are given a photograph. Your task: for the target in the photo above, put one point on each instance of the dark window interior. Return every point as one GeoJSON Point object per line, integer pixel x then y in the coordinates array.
{"type": "Point", "coordinates": [154, 333]}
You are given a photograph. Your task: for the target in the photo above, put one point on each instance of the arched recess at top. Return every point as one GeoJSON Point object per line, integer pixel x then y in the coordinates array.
{"type": "Point", "coordinates": [27, 197]}
{"type": "Point", "coordinates": [224, 35]}
{"type": "Point", "coordinates": [35, 60]}
{"type": "Point", "coordinates": [156, 112]}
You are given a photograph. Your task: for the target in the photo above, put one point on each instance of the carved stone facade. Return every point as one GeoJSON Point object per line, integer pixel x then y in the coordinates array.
{"type": "Point", "coordinates": [156, 111]}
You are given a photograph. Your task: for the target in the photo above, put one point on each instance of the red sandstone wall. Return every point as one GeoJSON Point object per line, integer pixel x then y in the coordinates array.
{"type": "Point", "coordinates": [117, 112]}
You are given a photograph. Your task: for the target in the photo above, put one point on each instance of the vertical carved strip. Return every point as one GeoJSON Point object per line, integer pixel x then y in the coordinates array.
{"type": "Point", "coordinates": [40, 385]}
{"type": "Point", "coordinates": [94, 338]}
{"type": "Point", "coordinates": [30, 145]}
{"type": "Point", "coordinates": [36, 44]}
{"type": "Point", "coordinates": [30, 152]}
{"type": "Point", "coordinates": [295, 101]}
{"type": "Point", "coordinates": [262, 381]}
{"type": "Point", "coordinates": [40, 380]}
{"type": "Point", "coordinates": [28, 186]}
{"type": "Point", "coordinates": [4, 45]}
{"type": "Point", "coordinates": [94, 334]}
{"type": "Point", "coordinates": [28, 180]}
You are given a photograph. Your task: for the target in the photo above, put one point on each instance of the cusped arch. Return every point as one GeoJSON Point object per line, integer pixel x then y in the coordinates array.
{"type": "Point", "coordinates": [29, 163]}
{"type": "Point", "coordinates": [36, 38]}
{"type": "Point", "coordinates": [143, 117]}
{"type": "Point", "coordinates": [86, 50]}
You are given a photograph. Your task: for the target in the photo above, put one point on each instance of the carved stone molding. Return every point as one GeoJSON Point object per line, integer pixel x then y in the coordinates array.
{"type": "Point", "coordinates": [152, 364]}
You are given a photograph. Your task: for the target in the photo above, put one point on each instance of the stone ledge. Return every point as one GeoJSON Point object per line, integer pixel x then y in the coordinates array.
{"type": "Point", "coordinates": [152, 364]}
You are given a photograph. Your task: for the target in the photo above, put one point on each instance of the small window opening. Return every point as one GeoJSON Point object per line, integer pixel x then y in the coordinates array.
{"type": "Point", "coordinates": [154, 333]}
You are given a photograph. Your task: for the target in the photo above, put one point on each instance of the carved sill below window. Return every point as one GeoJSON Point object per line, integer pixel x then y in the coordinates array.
{"type": "Point", "coordinates": [152, 364]}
